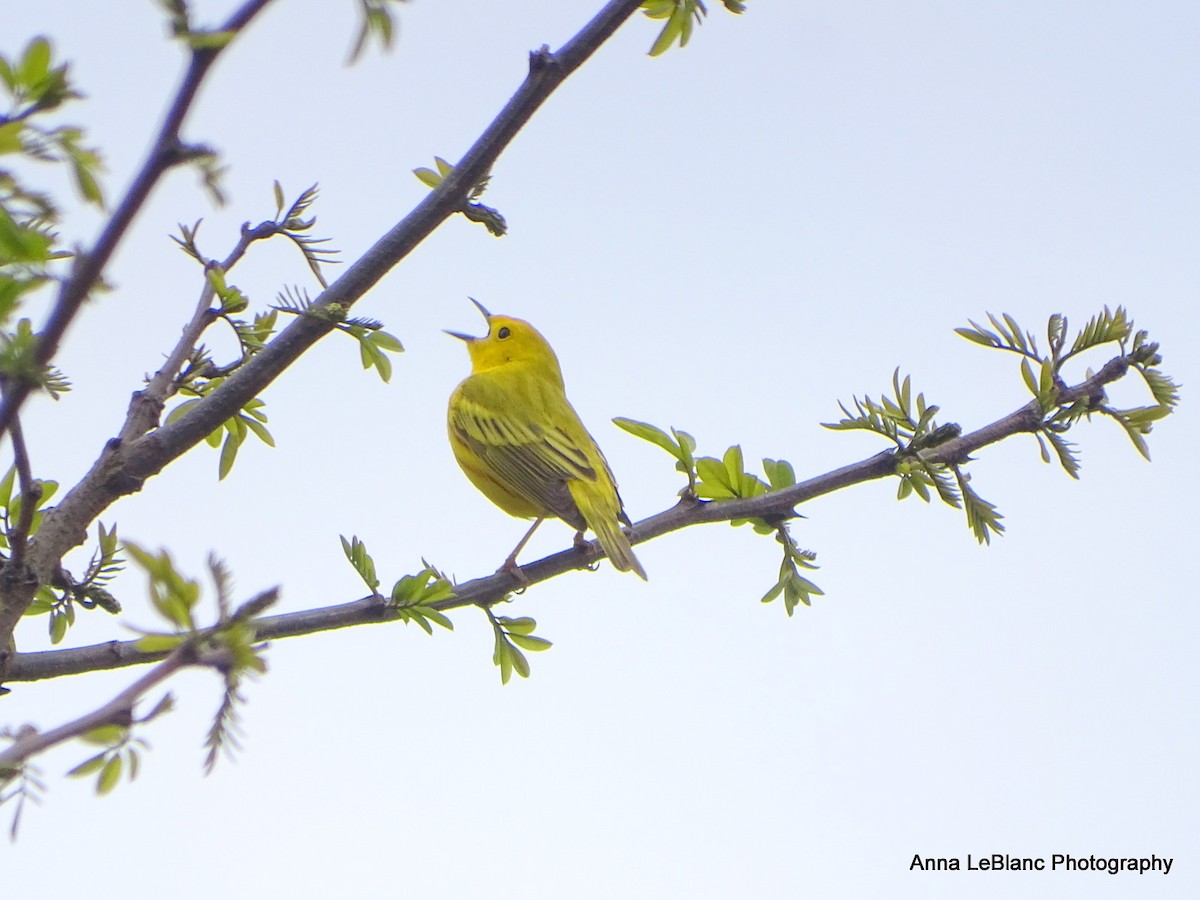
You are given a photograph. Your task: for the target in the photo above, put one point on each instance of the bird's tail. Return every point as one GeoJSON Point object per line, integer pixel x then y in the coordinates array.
{"type": "Point", "coordinates": [601, 510]}
{"type": "Point", "coordinates": [616, 545]}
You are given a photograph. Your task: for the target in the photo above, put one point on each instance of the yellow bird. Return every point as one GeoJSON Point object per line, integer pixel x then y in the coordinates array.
{"type": "Point", "coordinates": [516, 436]}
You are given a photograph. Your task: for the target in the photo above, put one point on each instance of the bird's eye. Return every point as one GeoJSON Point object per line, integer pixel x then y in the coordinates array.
{"type": "Point", "coordinates": [503, 332]}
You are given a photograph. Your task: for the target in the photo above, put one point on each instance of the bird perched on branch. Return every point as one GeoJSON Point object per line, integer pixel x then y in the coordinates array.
{"type": "Point", "coordinates": [518, 439]}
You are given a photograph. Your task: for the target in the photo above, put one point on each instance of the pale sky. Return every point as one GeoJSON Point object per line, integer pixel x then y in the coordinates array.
{"type": "Point", "coordinates": [729, 239]}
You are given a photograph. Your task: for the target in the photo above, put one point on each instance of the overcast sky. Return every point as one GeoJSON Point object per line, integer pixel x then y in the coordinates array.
{"type": "Point", "coordinates": [729, 239]}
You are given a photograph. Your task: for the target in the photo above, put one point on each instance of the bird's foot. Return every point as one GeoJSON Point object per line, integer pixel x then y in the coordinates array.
{"type": "Point", "coordinates": [583, 545]}
{"type": "Point", "coordinates": [511, 568]}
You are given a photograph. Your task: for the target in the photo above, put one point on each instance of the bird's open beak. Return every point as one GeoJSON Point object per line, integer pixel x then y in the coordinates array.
{"type": "Point", "coordinates": [466, 337]}
{"type": "Point", "coordinates": [480, 307]}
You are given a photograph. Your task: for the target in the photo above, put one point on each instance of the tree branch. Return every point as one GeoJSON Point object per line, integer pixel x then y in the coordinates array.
{"type": "Point", "coordinates": [122, 468]}
{"type": "Point", "coordinates": [88, 266]}
{"type": "Point", "coordinates": [150, 454]}
{"type": "Point", "coordinates": [147, 404]}
{"type": "Point", "coordinates": [494, 588]}
{"type": "Point", "coordinates": [117, 711]}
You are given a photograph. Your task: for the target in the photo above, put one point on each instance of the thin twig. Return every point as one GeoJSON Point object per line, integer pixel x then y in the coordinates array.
{"type": "Point", "coordinates": [196, 650]}
{"type": "Point", "coordinates": [494, 588]}
{"type": "Point", "coordinates": [31, 495]}
{"type": "Point", "coordinates": [117, 711]}
{"type": "Point", "coordinates": [147, 404]}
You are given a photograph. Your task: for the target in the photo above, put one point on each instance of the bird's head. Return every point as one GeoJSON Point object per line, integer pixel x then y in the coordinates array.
{"type": "Point", "coordinates": [509, 341]}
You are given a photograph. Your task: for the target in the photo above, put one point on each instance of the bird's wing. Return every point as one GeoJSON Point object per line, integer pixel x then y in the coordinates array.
{"type": "Point", "coordinates": [534, 460]}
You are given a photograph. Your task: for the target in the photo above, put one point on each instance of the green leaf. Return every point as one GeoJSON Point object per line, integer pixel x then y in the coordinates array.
{"type": "Point", "coordinates": [648, 432]}
{"type": "Point", "coordinates": [687, 446]}
{"type": "Point", "coordinates": [377, 22]}
{"type": "Point", "coordinates": [88, 766]}
{"type": "Point", "coordinates": [518, 661]}
{"type": "Point", "coordinates": [35, 64]}
{"type": "Point", "coordinates": [779, 473]}
{"type": "Point", "coordinates": [356, 553]}
{"type": "Point", "coordinates": [1015, 331]}
{"type": "Point", "coordinates": [1055, 332]}
{"type": "Point", "coordinates": [1046, 383]}
{"type": "Point", "coordinates": [428, 177]}
{"type": "Point", "coordinates": [6, 486]}
{"type": "Point", "coordinates": [22, 244]}
{"type": "Point", "coordinates": [10, 137]}
{"type": "Point", "coordinates": [523, 625]}
{"type": "Point", "coordinates": [1164, 390]}
{"type": "Point", "coordinates": [107, 538]}
{"type": "Point", "coordinates": [85, 182]}
{"type": "Point", "coordinates": [253, 408]}
{"type": "Point", "coordinates": [105, 735]}
{"type": "Point", "coordinates": [260, 430]}
{"type": "Point", "coordinates": [439, 617]}
{"type": "Point", "coordinates": [228, 454]}
{"type": "Point", "coordinates": [1101, 329]}
{"type": "Point", "coordinates": [1141, 417]}
{"type": "Point", "coordinates": [423, 615]}
{"type": "Point", "coordinates": [987, 339]}
{"type": "Point", "coordinates": [209, 40]}
{"type": "Point", "coordinates": [774, 592]}
{"type": "Point", "coordinates": [387, 342]}
{"type": "Point", "coordinates": [373, 356]}
{"type": "Point", "coordinates": [530, 642]}
{"type": "Point", "coordinates": [110, 774]}
{"type": "Point", "coordinates": [982, 516]}
{"type": "Point", "coordinates": [1028, 377]}
{"type": "Point", "coordinates": [713, 483]}
{"type": "Point", "coordinates": [43, 602]}
{"type": "Point", "coordinates": [1067, 457]}
{"type": "Point", "coordinates": [1042, 447]}
{"type": "Point", "coordinates": [1134, 432]}
{"type": "Point", "coordinates": [159, 643]}
{"type": "Point", "coordinates": [503, 658]}
{"type": "Point", "coordinates": [216, 279]}
{"type": "Point", "coordinates": [58, 627]}
{"type": "Point", "coordinates": [49, 489]}
{"type": "Point", "coordinates": [667, 36]}
{"type": "Point", "coordinates": [734, 467]}
{"type": "Point", "coordinates": [171, 594]}
{"type": "Point", "coordinates": [408, 614]}
{"type": "Point", "coordinates": [179, 411]}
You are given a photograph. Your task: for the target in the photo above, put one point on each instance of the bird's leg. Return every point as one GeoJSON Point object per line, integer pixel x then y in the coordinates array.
{"type": "Point", "coordinates": [510, 565]}
{"type": "Point", "coordinates": [582, 544]}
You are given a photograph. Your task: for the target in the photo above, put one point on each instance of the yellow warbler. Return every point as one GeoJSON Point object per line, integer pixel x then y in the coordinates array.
{"type": "Point", "coordinates": [521, 443]}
